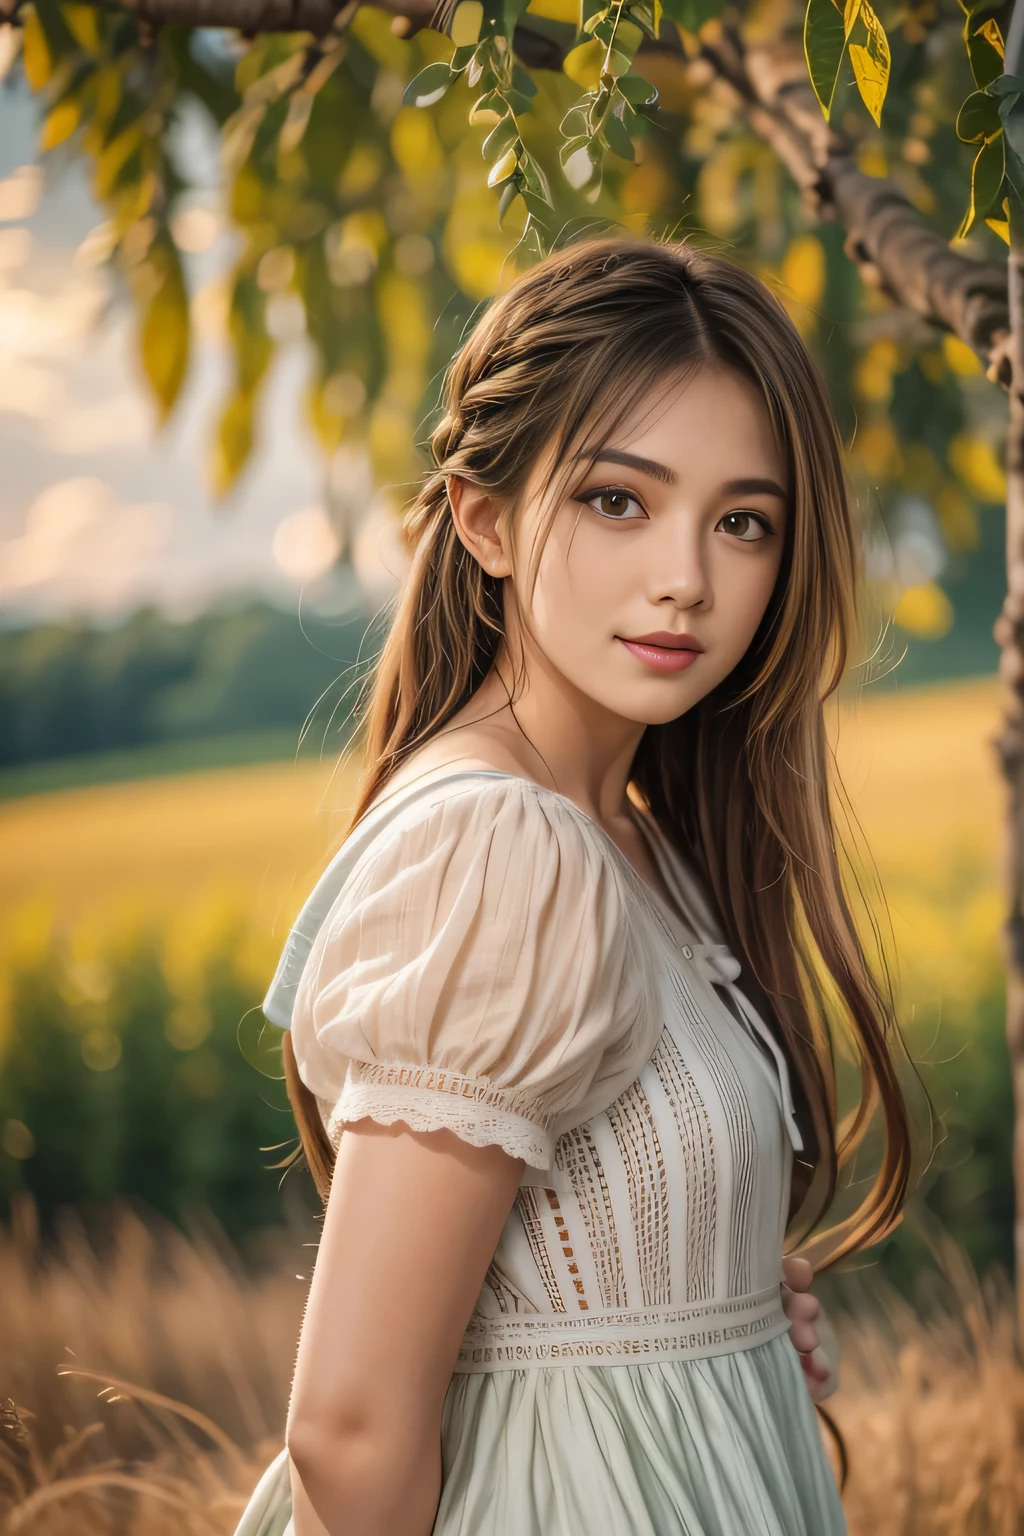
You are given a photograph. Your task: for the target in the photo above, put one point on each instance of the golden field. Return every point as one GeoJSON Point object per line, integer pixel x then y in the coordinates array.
{"type": "Point", "coordinates": [918, 769]}
{"type": "Point", "coordinates": [191, 1355]}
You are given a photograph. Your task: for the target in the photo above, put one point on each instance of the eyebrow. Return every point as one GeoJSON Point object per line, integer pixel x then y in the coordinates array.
{"type": "Point", "coordinates": [754, 487]}
{"type": "Point", "coordinates": [749, 487]}
{"type": "Point", "coordinates": [633, 461]}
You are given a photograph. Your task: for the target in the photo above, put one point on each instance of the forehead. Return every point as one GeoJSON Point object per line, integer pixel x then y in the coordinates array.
{"type": "Point", "coordinates": [711, 422]}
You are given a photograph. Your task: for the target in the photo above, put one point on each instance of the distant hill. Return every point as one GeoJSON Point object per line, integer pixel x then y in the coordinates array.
{"type": "Point", "coordinates": [70, 691]}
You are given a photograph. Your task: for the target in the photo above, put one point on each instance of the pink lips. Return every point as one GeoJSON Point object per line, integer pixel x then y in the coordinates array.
{"type": "Point", "coordinates": [664, 651]}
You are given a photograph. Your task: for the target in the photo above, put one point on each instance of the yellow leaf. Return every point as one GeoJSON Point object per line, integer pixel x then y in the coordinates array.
{"type": "Point", "coordinates": [973, 460]}
{"type": "Point", "coordinates": [466, 23]}
{"type": "Point", "coordinates": [961, 358]}
{"type": "Point", "coordinates": [989, 30]}
{"type": "Point", "coordinates": [583, 64]}
{"type": "Point", "coordinates": [925, 611]}
{"type": "Point", "coordinates": [165, 328]}
{"type": "Point", "coordinates": [83, 24]}
{"type": "Point", "coordinates": [36, 55]}
{"type": "Point", "coordinates": [629, 36]}
{"type": "Point", "coordinates": [233, 443]}
{"type": "Point", "coordinates": [871, 65]}
{"type": "Point", "coordinates": [1001, 227]}
{"type": "Point", "coordinates": [503, 168]}
{"type": "Point", "coordinates": [803, 270]}
{"type": "Point", "coordinates": [556, 10]}
{"type": "Point", "coordinates": [60, 124]}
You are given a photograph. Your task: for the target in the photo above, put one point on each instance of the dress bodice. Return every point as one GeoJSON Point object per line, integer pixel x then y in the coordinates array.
{"type": "Point", "coordinates": [666, 1212]}
{"type": "Point", "coordinates": [482, 956]}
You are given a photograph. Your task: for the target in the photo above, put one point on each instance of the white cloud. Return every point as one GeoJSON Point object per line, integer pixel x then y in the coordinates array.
{"type": "Point", "coordinates": [305, 545]}
{"type": "Point", "coordinates": [115, 423]}
{"type": "Point", "coordinates": [81, 547]}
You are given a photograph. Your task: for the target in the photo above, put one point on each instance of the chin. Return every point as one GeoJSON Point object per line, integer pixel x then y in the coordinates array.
{"type": "Point", "coordinates": [650, 711]}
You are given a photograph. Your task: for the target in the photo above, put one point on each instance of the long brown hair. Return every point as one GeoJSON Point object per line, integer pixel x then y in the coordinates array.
{"type": "Point", "coordinates": [739, 783]}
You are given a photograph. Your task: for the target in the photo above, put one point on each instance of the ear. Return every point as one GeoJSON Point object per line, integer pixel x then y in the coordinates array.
{"type": "Point", "coordinates": [477, 517]}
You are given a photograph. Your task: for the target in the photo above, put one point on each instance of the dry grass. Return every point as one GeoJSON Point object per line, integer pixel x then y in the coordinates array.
{"type": "Point", "coordinates": [145, 1375]}
{"type": "Point", "coordinates": [147, 1385]}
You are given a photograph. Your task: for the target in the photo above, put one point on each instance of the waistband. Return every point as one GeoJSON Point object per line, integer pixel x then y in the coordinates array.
{"type": "Point", "coordinates": [692, 1332]}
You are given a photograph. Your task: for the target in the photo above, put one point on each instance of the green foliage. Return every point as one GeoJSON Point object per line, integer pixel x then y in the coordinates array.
{"type": "Point", "coordinates": [828, 39]}
{"type": "Point", "coordinates": [121, 1079]}
{"type": "Point", "coordinates": [67, 691]}
{"type": "Point", "coordinates": [382, 188]}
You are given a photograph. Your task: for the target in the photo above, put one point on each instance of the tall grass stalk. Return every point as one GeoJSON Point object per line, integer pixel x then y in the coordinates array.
{"type": "Point", "coordinates": [144, 1379]}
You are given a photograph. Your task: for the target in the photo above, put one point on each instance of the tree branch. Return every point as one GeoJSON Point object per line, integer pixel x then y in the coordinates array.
{"type": "Point", "coordinates": [885, 235]}
{"type": "Point", "coordinates": [252, 16]}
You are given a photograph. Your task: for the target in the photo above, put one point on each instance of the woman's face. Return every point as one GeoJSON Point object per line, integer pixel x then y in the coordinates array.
{"type": "Point", "coordinates": [662, 557]}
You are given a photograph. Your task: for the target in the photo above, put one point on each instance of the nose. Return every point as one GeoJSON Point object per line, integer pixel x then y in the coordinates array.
{"type": "Point", "coordinates": [679, 567]}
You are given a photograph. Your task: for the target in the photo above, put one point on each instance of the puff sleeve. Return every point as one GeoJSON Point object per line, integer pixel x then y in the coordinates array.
{"type": "Point", "coordinates": [479, 973]}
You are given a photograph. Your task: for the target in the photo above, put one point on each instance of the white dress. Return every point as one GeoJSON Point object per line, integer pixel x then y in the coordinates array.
{"type": "Point", "coordinates": [481, 956]}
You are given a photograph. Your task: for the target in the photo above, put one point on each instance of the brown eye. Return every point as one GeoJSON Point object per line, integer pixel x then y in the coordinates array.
{"type": "Point", "coordinates": [617, 505]}
{"type": "Point", "coordinates": [751, 528]}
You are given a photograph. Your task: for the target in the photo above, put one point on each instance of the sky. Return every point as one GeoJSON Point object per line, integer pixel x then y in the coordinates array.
{"type": "Point", "coordinates": [100, 511]}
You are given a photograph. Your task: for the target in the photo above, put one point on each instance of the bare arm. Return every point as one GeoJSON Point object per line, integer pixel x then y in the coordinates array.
{"type": "Point", "coordinates": [412, 1223]}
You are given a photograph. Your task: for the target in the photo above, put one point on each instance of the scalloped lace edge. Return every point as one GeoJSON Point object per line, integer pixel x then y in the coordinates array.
{"type": "Point", "coordinates": [424, 1109]}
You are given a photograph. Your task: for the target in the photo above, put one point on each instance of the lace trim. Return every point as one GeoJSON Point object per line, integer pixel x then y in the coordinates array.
{"type": "Point", "coordinates": [427, 1099]}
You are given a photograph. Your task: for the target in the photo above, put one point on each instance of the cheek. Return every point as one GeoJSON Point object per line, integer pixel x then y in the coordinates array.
{"type": "Point", "coordinates": [743, 590]}
{"type": "Point", "coordinates": [577, 583]}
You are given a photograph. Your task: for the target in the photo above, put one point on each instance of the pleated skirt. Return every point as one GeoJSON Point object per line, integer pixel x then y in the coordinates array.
{"type": "Point", "coordinates": [725, 1446]}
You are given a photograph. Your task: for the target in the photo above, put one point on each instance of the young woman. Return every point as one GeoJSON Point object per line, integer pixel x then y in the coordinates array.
{"type": "Point", "coordinates": [562, 1012]}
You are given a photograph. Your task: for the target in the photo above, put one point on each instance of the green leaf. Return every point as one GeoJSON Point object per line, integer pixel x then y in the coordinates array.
{"type": "Point", "coordinates": [1006, 85]}
{"type": "Point", "coordinates": [428, 86]}
{"type": "Point", "coordinates": [486, 108]}
{"type": "Point", "coordinates": [824, 45]}
{"type": "Point", "coordinates": [978, 118]}
{"type": "Point", "coordinates": [985, 50]}
{"type": "Point", "coordinates": [517, 101]}
{"type": "Point", "coordinates": [523, 82]}
{"type": "Point", "coordinates": [637, 91]}
{"type": "Point", "coordinates": [508, 196]}
{"type": "Point", "coordinates": [618, 138]}
{"type": "Point", "coordinates": [1011, 115]}
{"type": "Point", "coordinates": [60, 41]}
{"type": "Point", "coordinates": [986, 180]}
{"type": "Point", "coordinates": [692, 14]}
{"type": "Point", "coordinates": [871, 64]}
{"type": "Point", "coordinates": [499, 138]}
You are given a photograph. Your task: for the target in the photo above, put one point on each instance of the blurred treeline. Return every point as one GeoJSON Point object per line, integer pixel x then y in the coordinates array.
{"type": "Point", "coordinates": [128, 1072]}
{"type": "Point", "coordinates": [68, 690]}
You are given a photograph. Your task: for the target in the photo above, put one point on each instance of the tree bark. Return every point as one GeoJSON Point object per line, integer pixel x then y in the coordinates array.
{"type": "Point", "coordinates": [885, 235]}
{"type": "Point", "coordinates": [1009, 634]}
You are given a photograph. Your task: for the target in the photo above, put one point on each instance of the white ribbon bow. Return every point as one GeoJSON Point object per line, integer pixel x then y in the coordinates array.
{"type": "Point", "coordinates": [718, 965]}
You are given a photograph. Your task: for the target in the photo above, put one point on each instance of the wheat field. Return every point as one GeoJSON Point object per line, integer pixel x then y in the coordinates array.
{"type": "Point", "coordinates": [144, 1373]}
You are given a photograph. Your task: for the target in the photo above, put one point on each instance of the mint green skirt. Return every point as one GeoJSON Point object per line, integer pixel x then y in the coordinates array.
{"type": "Point", "coordinates": [726, 1446]}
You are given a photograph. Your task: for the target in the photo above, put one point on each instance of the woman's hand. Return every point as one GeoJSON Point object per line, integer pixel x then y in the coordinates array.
{"type": "Point", "coordinates": [811, 1335]}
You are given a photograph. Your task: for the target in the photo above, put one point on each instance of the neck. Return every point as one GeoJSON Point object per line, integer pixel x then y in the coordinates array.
{"type": "Point", "coordinates": [555, 733]}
